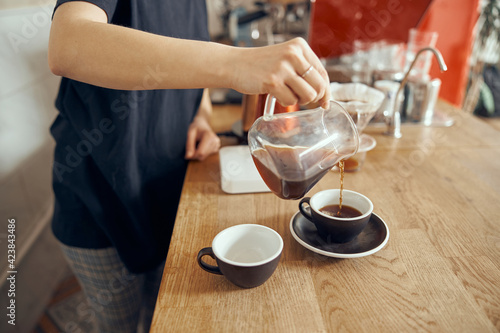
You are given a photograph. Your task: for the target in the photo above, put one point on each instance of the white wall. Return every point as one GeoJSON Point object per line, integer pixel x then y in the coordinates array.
{"type": "Point", "coordinates": [9, 4]}
{"type": "Point", "coordinates": [27, 94]}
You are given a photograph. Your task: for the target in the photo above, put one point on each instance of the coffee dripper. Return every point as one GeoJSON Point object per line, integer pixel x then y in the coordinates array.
{"type": "Point", "coordinates": [359, 100]}
{"type": "Point", "coordinates": [293, 151]}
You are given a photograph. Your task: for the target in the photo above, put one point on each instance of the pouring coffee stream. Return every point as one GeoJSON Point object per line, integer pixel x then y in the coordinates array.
{"type": "Point", "coordinates": [293, 151]}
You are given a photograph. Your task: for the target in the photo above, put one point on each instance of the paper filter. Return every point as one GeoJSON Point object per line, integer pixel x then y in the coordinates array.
{"type": "Point", "coordinates": [359, 100]}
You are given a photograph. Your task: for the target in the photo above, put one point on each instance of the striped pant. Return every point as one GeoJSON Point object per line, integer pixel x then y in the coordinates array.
{"type": "Point", "coordinates": [120, 301]}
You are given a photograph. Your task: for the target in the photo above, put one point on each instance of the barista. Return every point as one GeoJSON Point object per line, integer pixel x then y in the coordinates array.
{"type": "Point", "coordinates": [132, 106]}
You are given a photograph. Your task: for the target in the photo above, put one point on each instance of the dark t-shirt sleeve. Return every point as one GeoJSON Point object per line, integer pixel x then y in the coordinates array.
{"type": "Point", "coordinates": [109, 6]}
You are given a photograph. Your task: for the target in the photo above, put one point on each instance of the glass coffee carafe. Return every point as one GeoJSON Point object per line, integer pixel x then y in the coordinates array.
{"type": "Point", "coordinates": [293, 151]}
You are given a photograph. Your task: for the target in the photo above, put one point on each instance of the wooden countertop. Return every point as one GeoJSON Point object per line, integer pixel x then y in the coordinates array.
{"type": "Point", "coordinates": [438, 190]}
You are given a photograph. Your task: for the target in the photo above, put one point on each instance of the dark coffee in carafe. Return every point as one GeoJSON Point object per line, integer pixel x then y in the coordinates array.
{"type": "Point", "coordinates": [287, 174]}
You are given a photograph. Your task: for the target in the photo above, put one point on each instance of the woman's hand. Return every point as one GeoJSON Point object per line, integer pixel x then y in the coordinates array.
{"type": "Point", "coordinates": [289, 71]}
{"type": "Point", "coordinates": [201, 139]}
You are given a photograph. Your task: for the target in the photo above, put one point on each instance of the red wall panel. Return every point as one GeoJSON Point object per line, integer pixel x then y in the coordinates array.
{"type": "Point", "coordinates": [335, 24]}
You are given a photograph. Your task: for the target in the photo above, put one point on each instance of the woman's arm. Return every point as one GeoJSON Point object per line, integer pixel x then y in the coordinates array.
{"type": "Point", "coordinates": [84, 47]}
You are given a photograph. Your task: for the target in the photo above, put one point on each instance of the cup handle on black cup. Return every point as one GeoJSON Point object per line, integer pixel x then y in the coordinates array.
{"type": "Point", "coordinates": [207, 251]}
{"type": "Point", "coordinates": [303, 211]}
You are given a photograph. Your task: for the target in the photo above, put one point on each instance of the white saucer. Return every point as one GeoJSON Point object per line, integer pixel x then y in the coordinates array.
{"type": "Point", "coordinates": [372, 239]}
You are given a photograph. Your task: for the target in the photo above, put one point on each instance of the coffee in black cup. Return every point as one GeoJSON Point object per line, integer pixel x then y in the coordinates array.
{"type": "Point", "coordinates": [332, 226]}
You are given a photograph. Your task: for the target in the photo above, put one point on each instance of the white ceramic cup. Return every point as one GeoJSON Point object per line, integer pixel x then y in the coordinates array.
{"type": "Point", "coordinates": [246, 254]}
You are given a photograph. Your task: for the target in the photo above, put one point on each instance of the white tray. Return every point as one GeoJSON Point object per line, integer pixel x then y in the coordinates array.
{"type": "Point", "coordinates": [238, 171]}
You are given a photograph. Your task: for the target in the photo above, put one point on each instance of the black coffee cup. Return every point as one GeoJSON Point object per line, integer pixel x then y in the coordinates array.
{"type": "Point", "coordinates": [333, 228]}
{"type": "Point", "coordinates": [246, 254]}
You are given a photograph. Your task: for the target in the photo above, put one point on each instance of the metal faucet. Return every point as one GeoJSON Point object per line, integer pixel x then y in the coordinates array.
{"type": "Point", "coordinates": [394, 121]}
